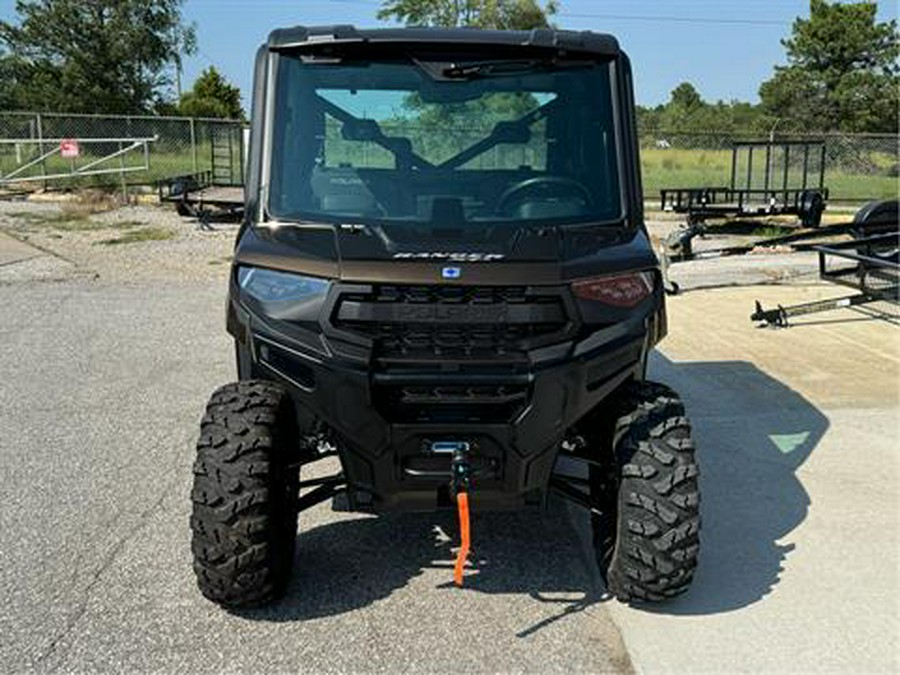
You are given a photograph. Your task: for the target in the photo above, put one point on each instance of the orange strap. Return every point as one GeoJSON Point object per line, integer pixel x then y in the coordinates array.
{"type": "Point", "coordinates": [462, 503]}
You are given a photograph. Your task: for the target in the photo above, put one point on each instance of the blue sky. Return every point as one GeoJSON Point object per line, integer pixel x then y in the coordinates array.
{"type": "Point", "coordinates": [725, 47]}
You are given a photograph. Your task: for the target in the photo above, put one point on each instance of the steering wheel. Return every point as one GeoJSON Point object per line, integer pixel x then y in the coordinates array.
{"type": "Point", "coordinates": [542, 187]}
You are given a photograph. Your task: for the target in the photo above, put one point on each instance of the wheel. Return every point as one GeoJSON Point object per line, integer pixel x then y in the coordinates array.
{"type": "Point", "coordinates": [812, 206]}
{"type": "Point", "coordinates": [878, 217]}
{"type": "Point", "coordinates": [647, 519]}
{"type": "Point", "coordinates": [183, 209]}
{"type": "Point", "coordinates": [244, 519]}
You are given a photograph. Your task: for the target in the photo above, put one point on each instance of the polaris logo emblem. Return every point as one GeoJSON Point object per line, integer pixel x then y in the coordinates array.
{"type": "Point", "coordinates": [450, 257]}
{"type": "Point", "coordinates": [481, 314]}
{"type": "Point", "coordinates": [451, 272]}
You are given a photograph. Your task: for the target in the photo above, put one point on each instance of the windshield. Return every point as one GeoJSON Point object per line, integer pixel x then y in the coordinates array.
{"type": "Point", "coordinates": [445, 145]}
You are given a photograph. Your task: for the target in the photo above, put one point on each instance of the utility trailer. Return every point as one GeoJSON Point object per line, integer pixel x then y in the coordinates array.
{"type": "Point", "coordinates": [869, 263]}
{"type": "Point", "coordinates": [767, 179]}
{"type": "Point", "coordinates": [219, 189]}
{"type": "Point", "coordinates": [196, 195]}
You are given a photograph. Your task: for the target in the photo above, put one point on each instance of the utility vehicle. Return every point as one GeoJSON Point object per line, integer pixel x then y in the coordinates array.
{"type": "Point", "coordinates": [444, 279]}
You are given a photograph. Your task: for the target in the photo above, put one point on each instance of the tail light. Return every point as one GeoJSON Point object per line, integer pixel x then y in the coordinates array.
{"type": "Point", "coordinates": [625, 290]}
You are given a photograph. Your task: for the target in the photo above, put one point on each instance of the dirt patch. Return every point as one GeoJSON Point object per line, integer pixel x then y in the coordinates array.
{"type": "Point", "coordinates": [134, 236]}
{"type": "Point", "coordinates": [128, 244]}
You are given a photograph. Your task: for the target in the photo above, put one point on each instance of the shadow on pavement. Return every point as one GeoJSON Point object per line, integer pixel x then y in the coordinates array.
{"type": "Point", "coordinates": [347, 565]}
{"type": "Point", "coordinates": [753, 432]}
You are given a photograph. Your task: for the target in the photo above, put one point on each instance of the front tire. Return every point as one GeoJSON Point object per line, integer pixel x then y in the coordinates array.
{"type": "Point", "coordinates": [246, 474]}
{"type": "Point", "coordinates": [646, 534]}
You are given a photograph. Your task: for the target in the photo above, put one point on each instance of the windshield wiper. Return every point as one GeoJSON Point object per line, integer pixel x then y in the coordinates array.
{"type": "Point", "coordinates": [488, 69]}
{"type": "Point", "coordinates": [466, 71]}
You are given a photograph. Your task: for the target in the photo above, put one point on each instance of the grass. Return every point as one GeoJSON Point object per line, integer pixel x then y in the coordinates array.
{"type": "Point", "coordinates": [69, 222]}
{"type": "Point", "coordinates": [126, 224]}
{"type": "Point", "coordinates": [661, 167]}
{"type": "Point", "coordinates": [138, 235]}
{"type": "Point", "coordinates": [772, 231]}
{"type": "Point", "coordinates": [166, 161]}
{"type": "Point", "coordinates": [75, 216]}
{"type": "Point", "coordinates": [675, 167]}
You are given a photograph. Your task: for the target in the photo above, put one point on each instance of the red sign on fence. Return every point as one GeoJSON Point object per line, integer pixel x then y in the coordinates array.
{"type": "Point", "coordinates": [68, 148]}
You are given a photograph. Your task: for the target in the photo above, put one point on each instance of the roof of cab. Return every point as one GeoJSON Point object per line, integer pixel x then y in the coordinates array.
{"type": "Point", "coordinates": [575, 41]}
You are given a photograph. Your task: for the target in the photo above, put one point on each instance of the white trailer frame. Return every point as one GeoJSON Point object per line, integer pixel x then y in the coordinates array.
{"type": "Point", "coordinates": [89, 169]}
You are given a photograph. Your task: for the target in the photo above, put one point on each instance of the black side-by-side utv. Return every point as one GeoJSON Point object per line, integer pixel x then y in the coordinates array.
{"type": "Point", "coordinates": [444, 279]}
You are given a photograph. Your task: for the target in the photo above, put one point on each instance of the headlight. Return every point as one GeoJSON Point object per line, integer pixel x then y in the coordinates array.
{"type": "Point", "coordinates": [283, 296]}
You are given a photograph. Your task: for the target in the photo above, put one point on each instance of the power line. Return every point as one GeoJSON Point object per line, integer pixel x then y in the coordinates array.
{"type": "Point", "coordinates": [673, 19]}
{"type": "Point", "coordinates": [375, 4]}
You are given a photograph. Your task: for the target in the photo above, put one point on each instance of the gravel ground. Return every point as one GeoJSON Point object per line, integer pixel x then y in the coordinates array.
{"type": "Point", "coordinates": [181, 252]}
{"type": "Point", "coordinates": [191, 254]}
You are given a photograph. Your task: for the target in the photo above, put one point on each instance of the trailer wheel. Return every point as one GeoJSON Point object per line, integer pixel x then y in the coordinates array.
{"type": "Point", "coordinates": [183, 209]}
{"type": "Point", "coordinates": [812, 206]}
{"type": "Point", "coordinates": [646, 527]}
{"type": "Point", "coordinates": [244, 519]}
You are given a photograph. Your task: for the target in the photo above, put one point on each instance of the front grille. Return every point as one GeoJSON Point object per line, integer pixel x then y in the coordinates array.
{"type": "Point", "coordinates": [398, 343]}
{"type": "Point", "coordinates": [476, 337]}
{"type": "Point", "coordinates": [456, 323]}
{"type": "Point", "coordinates": [453, 403]}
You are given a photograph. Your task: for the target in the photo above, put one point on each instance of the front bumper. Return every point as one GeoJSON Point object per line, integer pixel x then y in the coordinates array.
{"type": "Point", "coordinates": [387, 458]}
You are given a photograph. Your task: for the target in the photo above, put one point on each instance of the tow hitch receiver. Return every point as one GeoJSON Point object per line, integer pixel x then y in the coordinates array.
{"type": "Point", "coordinates": [462, 470]}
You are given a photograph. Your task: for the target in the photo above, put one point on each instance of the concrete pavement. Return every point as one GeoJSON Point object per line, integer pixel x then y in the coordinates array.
{"type": "Point", "coordinates": [798, 436]}
{"type": "Point", "coordinates": [101, 390]}
{"type": "Point", "coordinates": [20, 261]}
{"type": "Point", "coordinates": [14, 251]}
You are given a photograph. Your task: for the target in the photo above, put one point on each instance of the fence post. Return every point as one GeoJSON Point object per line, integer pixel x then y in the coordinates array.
{"type": "Point", "coordinates": [40, 135]}
{"type": "Point", "coordinates": [193, 147]}
{"type": "Point", "coordinates": [122, 175]}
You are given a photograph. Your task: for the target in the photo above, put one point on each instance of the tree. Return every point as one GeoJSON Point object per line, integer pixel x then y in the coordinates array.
{"type": "Point", "coordinates": [686, 97]}
{"type": "Point", "coordinates": [686, 111]}
{"type": "Point", "coordinates": [7, 80]}
{"type": "Point", "coordinates": [212, 96]}
{"type": "Point", "coordinates": [501, 14]}
{"type": "Point", "coordinates": [842, 72]}
{"type": "Point", "coordinates": [107, 56]}
{"type": "Point", "coordinates": [418, 117]}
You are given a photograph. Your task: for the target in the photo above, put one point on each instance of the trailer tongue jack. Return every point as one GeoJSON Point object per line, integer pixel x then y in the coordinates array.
{"type": "Point", "coordinates": [874, 272]}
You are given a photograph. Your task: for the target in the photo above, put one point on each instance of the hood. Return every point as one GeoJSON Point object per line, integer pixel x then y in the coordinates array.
{"type": "Point", "coordinates": [363, 253]}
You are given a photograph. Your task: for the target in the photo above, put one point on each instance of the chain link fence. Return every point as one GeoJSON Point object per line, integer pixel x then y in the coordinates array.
{"type": "Point", "coordinates": [177, 146]}
{"type": "Point", "coordinates": [859, 167]}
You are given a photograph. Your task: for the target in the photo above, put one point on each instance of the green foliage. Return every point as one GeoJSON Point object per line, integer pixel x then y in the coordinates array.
{"type": "Point", "coordinates": [440, 131]}
{"type": "Point", "coordinates": [7, 81]}
{"type": "Point", "coordinates": [842, 72]}
{"type": "Point", "coordinates": [500, 14]}
{"type": "Point", "coordinates": [686, 97]}
{"type": "Point", "coordinates": [686, 111]}
{"type": "Point", "coordinates": [423, 122]}
{"type": "Point", "coordinates": [212, 96]}
{"type": "Point", "coordinates": [677, 167]}
{"type": "Point", "coordinates": [98, 56]}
